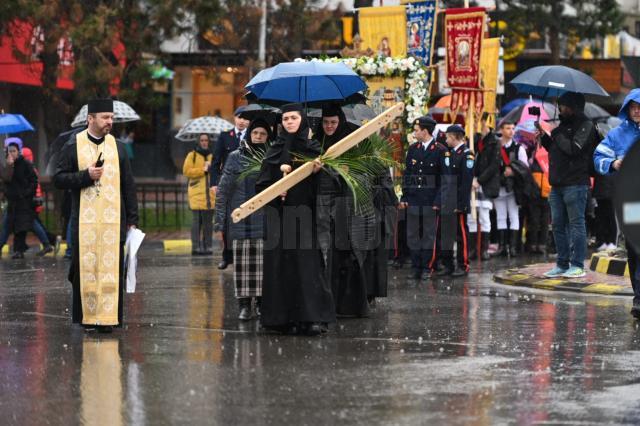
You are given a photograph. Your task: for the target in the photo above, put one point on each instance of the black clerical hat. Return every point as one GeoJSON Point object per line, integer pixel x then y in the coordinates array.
{"type": "Point", "coordinates": [100, 105]}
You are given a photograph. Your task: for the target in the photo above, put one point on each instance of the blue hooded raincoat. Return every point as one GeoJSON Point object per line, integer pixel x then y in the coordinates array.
{"type": "Point", "coordinates": [619, 140]}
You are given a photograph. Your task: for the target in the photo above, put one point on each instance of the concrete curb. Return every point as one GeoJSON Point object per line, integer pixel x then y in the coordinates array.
{"type": "Point", "coordinates": [610, 265]}
{"type": "Point", "coordinates": [516, 278]}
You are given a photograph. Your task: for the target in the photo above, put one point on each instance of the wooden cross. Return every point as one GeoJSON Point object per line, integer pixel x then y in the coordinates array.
{"type": "Point", "coordinates": [301, 173]}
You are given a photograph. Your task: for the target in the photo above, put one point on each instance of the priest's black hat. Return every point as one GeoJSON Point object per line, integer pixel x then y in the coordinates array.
{"type": "Point", "coordinates": [100, 105]}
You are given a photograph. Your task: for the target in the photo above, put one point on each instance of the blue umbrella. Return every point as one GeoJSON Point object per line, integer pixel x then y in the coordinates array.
{"type": "Point", "coordinates": [305, 82]}
{"type": "Point", "coordinates": [513, 104]}
{"type": "Point", "coordinates": [554, 80]}
{"type": "Point", "coordinates": [14, 123]}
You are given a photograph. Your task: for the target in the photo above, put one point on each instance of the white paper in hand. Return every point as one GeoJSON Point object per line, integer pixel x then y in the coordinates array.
{"type": "Point", "coordinates": [134, 240]}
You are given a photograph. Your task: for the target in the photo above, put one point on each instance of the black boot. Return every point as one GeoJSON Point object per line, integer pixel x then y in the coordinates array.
{"type": "Point", "coordinates": [459, 271]}
{"type": "Point", "coordinates": [473, 245]}
{"type": "Point", "coordinates": [513, 243]}
{"type": "Point", "coordinates": [244, 303]}
{"type": "Point", "coordinates": [258, 306]}
{"type": "Point", "coordinates": [502, 248]}
{"type": "Point", "coordinates": [484, 246]}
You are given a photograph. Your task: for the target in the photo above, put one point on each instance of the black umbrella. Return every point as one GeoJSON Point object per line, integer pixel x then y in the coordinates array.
{"type": "Point", "coordinates": [554, 80]}
{"type": "Point", "coordinates": [266, 112]}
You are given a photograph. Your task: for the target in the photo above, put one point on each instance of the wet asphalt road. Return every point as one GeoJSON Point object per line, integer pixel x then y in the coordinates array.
{"type": "Point", "coordinates": [444, 352]}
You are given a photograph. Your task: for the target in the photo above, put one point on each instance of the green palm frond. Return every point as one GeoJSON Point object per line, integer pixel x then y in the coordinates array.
{"type": "Point", "coordinates": [254, 159]}
{"type": "Point", "coordinates": [360, 167]}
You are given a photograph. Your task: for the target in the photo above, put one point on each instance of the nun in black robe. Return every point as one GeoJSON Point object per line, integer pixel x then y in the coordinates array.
{"type": "Point", "coordinates": [339, 229]}
{"type": "Point", "coordinates": [296, 298]}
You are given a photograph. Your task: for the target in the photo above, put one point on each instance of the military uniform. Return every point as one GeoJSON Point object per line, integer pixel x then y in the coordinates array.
{"type": "Point", "coordinates": [421, 191]}
{"type": "Point", "coordinates": [457, 177]}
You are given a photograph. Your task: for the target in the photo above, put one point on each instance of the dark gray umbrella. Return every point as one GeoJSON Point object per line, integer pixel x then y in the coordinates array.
{"type": "Point", "coordinates": [554, 80]}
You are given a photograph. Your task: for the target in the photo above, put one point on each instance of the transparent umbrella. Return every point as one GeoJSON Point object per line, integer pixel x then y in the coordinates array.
{"type": "Point", "coordinates": [207, 124]}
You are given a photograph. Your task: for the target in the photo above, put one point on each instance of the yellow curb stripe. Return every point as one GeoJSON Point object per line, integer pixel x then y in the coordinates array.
{"type": "Point", "coordinates": [626, 270]}
{"type": "Point", "coordinates": [603, 264]}
{"type": "Point", "coordinates": [602, 288]}
{"type": "Point", "coordinates": [517, 277]}
{"type": "Point", "coordinates": [548, 283]}
{"type": "Point", "coordinates": [177, 245]}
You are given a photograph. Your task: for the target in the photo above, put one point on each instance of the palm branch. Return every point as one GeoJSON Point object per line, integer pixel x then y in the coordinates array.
{"type": "Point", "coordinates": [360, 167]}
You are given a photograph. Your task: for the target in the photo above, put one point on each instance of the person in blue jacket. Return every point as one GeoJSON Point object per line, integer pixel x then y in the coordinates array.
{"type": "Point", "coordinates": [608, 158]}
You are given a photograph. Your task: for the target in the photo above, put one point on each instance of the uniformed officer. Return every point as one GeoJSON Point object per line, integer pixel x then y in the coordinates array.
{"type": "Point", "coordinates": [421, 195]}
{"type": "Point", "coordinates": [457, 177]}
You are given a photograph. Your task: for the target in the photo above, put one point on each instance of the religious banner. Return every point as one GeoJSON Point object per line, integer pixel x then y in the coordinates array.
{"type": "Point", "coordinates": [385, 92]}
{"type": "Point", "coordinates": [383, 29]}
{"type": "Point", "coordinates": [489, 74]}
{"type": "Point", "coordinates": [463, 42]}
{"type": "Point", "coordinates": [421, 19]}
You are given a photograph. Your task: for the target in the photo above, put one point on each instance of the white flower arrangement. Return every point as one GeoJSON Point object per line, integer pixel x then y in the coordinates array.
{"type": "Point", "coordinates": [412, 69]}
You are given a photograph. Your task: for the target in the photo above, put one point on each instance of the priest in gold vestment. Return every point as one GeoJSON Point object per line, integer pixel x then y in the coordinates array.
{"type": "Point", "coordinates": [96, 168]}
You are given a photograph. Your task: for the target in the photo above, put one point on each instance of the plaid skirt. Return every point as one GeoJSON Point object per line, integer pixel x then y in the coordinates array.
{"type": "Point", "coordinates": [247, 267]}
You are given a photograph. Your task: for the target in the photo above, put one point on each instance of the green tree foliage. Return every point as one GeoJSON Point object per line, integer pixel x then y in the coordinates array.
{"type": "Point", "coordinates": [578, 19]}
{"type": "Point", "coordinates": [96, 28]}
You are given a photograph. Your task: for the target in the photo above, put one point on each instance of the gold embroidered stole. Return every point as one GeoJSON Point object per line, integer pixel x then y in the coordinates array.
{"type": "Point", "coordinates": [99, 233]}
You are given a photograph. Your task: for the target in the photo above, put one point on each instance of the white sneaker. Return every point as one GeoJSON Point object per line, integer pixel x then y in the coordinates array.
{"type": "Point", "coordinates": [611, 246]}
{"type": "Point", "coordinates": [603, 247]}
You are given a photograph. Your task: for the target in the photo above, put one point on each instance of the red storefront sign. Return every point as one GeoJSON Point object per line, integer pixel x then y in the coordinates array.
{"type": "Point", "coordinates": [28, 40]}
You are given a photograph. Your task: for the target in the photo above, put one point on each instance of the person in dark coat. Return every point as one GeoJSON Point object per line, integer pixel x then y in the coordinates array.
{"type": "Point", "coordinates": [606, 226]}
{"type": "Point", "coordinates": [227, 143]}
{"type": "Point", "coordinates": [486, 183]}
{"type": "Point", "coordinates": [248, 234]}
{"type": "Point", "coordinates": [89, 166]}
{"type": "Point", "coordinates": [570, 146]}
{"type": "Point", "coordinates": [296, 297]}
{"type": "Point", "coordinates": [339, 229]}
{"type": "Point", "coordinates": [20, 190]}
{"type": "Point", "coordinates": [457, 178]}
{"type": "Point", "coordinates": [421, 195]}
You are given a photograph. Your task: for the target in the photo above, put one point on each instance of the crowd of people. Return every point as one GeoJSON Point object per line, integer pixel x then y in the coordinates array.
{"type": "Point", "coordinates": [310, 256]}
{"type": "Point", "coordinates": [24, 201]}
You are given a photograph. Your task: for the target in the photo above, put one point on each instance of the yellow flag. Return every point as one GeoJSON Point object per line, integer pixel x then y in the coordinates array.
{"type": "Point", "coordinates": [489, 74]}
{"type": "Point", "coordinates": [384, 29]}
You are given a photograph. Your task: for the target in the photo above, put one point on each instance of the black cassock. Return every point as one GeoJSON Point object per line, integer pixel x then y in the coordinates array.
{"type": "Point", "coordinates": [68, 177]}
{"type": "Point", "coordinates": [294, 289]}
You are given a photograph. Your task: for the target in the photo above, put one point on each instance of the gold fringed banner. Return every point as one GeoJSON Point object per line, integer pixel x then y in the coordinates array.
{"type": "Point", "coordinates": [383, 29]}
{"type": "Point", "coordinates": [464, 30]}
{"type": "Point", "coordinates": [489, 72]}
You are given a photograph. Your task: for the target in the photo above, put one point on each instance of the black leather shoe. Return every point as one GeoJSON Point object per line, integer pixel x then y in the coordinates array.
{"type": "Point", "coordinates": [635, 312]}
{"type": "Point", "coordinates": [45, 250]}
{"type": "Point", "coordinates": [458, 272]}
{"type": "Point", "coordinates": [314, 329]}
{"type": "Point", "coordinates": [444, 272]}
{"type": "Point", "coordinates": [18, 255]}
{"type": "Point", "coordinates": [245, 313]}
{"type": "Point", "coordinates": [223, 265]}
